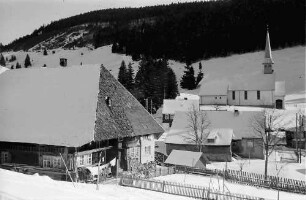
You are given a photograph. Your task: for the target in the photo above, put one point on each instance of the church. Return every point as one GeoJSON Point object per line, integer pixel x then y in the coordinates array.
{"type": "Point", "coordinates": [256, 89]}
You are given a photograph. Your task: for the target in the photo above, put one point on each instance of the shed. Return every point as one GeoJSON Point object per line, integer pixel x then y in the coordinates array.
{"type": "Point", "coordinates": [187, 159]}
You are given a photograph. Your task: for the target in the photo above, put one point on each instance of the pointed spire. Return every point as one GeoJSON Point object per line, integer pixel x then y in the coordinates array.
{"type": "Point", "coordinates": [268, 55]}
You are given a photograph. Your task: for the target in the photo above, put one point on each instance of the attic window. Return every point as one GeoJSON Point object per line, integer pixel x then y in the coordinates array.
{"type": "Point", "coordinates": [108, 101]}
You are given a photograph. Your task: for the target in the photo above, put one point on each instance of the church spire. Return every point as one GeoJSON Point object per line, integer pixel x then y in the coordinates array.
{"type": "Point", "coordinates": [268, 55]}
{"type": "Point", "coordinates": [268, 61]}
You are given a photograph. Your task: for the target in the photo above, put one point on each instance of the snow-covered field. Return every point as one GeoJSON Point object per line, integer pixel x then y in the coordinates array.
{"type": "Point", "coordinates": [281, 163]}
{"type": "Point", "coordinates": [217, 184]}
{"type": "Point", "coordinates": [289, 65]}
{"type": "Point", "coordinates": [17, 186]}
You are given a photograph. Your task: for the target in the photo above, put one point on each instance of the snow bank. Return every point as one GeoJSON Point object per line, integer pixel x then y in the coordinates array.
{"type": "Point", "coordinates": [17, 186]}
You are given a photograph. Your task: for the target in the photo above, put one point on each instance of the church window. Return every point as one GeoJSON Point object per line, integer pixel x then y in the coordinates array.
{"type": "Point", "coordinates": [245, 95]}
{"type": "Point", "coordinates": [258, 95]}
{"type": "Point", "coordinates": [233, 95]}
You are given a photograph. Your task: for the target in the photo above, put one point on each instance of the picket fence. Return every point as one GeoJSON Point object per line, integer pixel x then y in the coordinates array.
{"type": "Point", "coordinates": [187, 190]}
{"type": "Point", "coordinates": [282, 184]}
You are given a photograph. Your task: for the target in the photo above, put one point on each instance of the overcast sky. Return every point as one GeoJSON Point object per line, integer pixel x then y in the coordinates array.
{"type": "Point", "coordinates": [21, 17]}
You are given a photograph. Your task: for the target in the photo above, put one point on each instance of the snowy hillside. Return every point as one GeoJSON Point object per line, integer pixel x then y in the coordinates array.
{"type": "Point", "coordinates": [289, 65]}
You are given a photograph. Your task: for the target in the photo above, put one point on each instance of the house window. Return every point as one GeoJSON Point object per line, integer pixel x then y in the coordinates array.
{"type": "Point", "coordinates": [219, 97]}
{"type": "Point", "coordinates": [89, 159]}
{"type": "Point", "coordinates": [148, 150]}
{"type": "Point", "coordinates": [216, 97]}
{"type": "Point", "coordinates": [56, 162]}
{"type": "Point", "coordinates": [166, 117]}
{"type": "Point", "coordinates": [5, 157]}
{"type": "Point", "coordinates": [82, 160]}
{"type": "Point", "coordinates": [233, 95]}
{"type": "Point", "coordinates": [250, 144]}
{"type": "Point", "coordinates": [258, 95]}
{"type": "Point", "coordinates": [245, 95]}
{"type": "Point", "coordinates": [210, 140]}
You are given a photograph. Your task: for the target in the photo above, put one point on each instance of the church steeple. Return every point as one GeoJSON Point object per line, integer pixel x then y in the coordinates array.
{"type": "Point", "coordinates": [268, 60]}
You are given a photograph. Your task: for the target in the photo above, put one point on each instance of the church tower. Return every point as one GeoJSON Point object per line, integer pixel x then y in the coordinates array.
{"type": "Point", "coordinates": [268, 61]}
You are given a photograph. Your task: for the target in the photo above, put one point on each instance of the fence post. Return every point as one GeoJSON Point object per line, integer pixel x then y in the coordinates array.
{"type": "Point", "coordinates": [163, 186]}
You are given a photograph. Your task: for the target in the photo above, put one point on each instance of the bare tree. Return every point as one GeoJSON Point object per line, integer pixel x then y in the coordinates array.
{"type": "Point", "coordinates": [198, 124]}
{"type": "Point", "coordinates": [268, 125]}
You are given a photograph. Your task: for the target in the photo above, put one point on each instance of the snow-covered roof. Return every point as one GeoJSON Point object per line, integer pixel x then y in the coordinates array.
{"type": "Point", "coordinates": [191, 159]}
{"type": "Point", "coordinates": [187, 96]}
{"type": "Point", "coordinates": [221, 136]}
{"type": "Point", "coordinates": [280, 89]}
{"type": "Point", "coordinates": [214, 87]}
{"type": "Point", "coordinates": [254, 81]}
{"type": "Point", "coordinates": [240, 123]}
{"type": "Point", "coordinates": [68, 107]}
{"type": "Point", "coordinates": [3, 69]}
{"type": "Point", "coordinates": [170, 106]}
{"type": "Point", "coordinates": [54, 106]}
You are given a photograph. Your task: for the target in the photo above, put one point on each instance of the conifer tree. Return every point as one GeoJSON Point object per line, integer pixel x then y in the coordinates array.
{"type": "Point", "coordinates": [18, 66]}
{"type": "Point", "coordinates": [122, 75]}
{"type": "Point", "coordinates": [172, 89]}
{"type": "Point", "coordinates": [45, 52]}
{"type": "Point", "coordinates": [200, 74]}
{"type": "Point", "coordinates": [2, 60]}
{"type": "Point", "coordinates": [130, 77]}
{"type": "Point", "coordinates": [27, 61]}
{"type": "Point", "coordinates": [188, 80]}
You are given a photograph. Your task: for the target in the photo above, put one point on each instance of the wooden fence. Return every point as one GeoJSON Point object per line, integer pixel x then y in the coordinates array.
{"type": "Point", "coordinates": [283, 184]}
{"type": "Point", "coordinates": [187, 190]}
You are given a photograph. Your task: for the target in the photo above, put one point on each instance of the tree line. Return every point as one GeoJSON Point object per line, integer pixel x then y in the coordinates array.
{"type": "Point", "coordinates": [3, 61]}
{"type": "Point", "coordinates": [186, 31]}
{"type": "Point", "coordinates": [153, 82]}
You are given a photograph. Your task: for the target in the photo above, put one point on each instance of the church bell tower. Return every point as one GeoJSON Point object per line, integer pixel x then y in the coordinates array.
{"type": "Point", "coordinates": [268, 61]}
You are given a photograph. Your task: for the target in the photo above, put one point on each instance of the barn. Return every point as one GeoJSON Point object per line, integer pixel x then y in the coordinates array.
{"type": "Point", "coordinates": [64, 118]}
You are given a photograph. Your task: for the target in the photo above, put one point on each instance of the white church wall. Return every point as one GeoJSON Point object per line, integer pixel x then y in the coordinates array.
{"type": "Point", "coordinates": [266, 98]}
{"type": "Point", "coordinates": [213, 100]}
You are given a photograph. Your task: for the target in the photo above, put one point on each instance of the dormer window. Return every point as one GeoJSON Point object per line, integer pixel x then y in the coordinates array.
{"type": "Point", "coordinates": [108, 101]}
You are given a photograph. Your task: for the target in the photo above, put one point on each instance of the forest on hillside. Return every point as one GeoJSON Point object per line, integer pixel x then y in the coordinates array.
{"type": "Point", "coordinates": [186, 31]}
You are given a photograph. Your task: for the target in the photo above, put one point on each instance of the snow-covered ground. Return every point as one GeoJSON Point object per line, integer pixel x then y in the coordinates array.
{"type": "Point", "coordinates": [281, 163]}
{"type": "Point", "coordinates": [289, 65]}
{"type": "Point", "coordinates": [17, 186]}
{"type": "Point", "coordinates": [217, 184]}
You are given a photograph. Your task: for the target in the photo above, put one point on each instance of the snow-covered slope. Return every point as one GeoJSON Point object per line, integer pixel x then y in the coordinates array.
{"type": "Point", "coordinates": [289, 64]}
{"type": "Point", "coordinates": [17, 186]}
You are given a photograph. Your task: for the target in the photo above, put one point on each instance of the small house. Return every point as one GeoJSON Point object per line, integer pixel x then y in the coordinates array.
{"type": "Point", "coordinates": [183, 158]}
{"type": "Point", "coordinates": [170, 106]}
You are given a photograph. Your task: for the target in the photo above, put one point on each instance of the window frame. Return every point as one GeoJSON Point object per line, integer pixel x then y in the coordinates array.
{"type": "Point", "coordinates": [245, 95]}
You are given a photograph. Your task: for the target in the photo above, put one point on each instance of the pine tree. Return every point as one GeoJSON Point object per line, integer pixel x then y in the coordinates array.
{"type": "Point", "coordinates": [122, 75]}
{"type": "Point", "coordinates": [18, 66]}
{"type": "Point", "coordinates": [188, 80]}
{"type": "Point", "coordinates": [172, 89]}
{"type": "Point", "coordinates": [200, 74]}
{"type": "Point", "coordinates": [2, 60]}
{"type": "Point", "coordinates": [45, 52]}
{"type": "Point", "coordinates": [27, 61]}
{"type": "Point", "coordinates": [130, 77]}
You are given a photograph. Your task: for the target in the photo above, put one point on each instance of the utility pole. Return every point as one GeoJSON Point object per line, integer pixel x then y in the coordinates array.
{"type": "Point", "coordinates": [296, 135]}
{"type": "Point", "coordinates": [300, 136]}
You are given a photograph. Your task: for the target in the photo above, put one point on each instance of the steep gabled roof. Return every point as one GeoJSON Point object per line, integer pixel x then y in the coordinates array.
{"type": "Point", "coordinates": [125, 116]}
{"type": "Point", "coordinates": [52, 106]}
{"type": "Point", "coordinates": [67, 107]}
